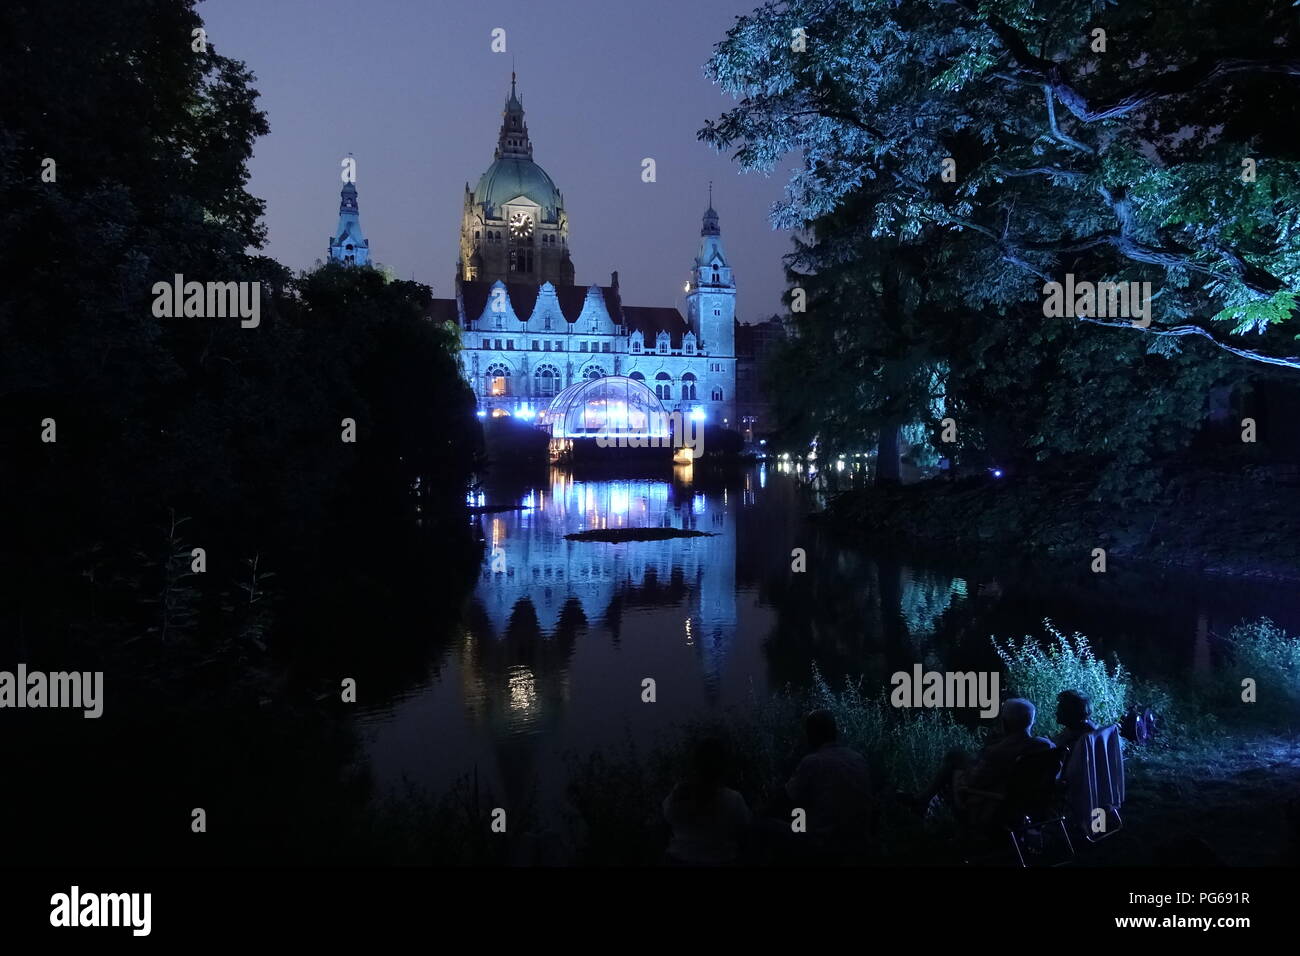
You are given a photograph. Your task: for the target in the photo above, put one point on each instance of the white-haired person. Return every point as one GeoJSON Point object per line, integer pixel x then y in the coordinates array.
{"type": "Point", "coordinates": [963, 778]}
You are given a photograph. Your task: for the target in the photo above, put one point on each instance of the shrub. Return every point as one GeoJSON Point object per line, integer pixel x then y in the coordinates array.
{"type": "Point", "coordinates": [1262, 650]}
{"type": "Point", "coordinates": [1040, 672]}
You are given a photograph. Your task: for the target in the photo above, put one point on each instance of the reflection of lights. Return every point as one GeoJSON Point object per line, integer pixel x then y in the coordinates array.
{"type": "Point", "coordinates": [690, 637]}
{"type": "Point", "coordinates": [762, 476]}
{"type": "Point", "coordinates": [839, 465]}
{"type": "Point", "coordinates": [697, 503]}
{"type": "Point", "coordinates": [528, 501]}
{"type": "Point", "coordinates": [618, 499]}
{"type": "Point", "coordinates": [522, 687]}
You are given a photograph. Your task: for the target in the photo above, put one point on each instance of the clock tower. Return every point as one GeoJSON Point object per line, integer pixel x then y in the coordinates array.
{"type": "Point", "coordinates": [514, 227]}
{"type": "Point", "coordinates": [711, 312]}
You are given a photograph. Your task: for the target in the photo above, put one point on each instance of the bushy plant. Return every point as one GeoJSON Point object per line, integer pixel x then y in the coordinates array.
{"type": "Point", "coordinates": [1263, 651]}
{"type": "Point", "coordinates": [1039, 672]}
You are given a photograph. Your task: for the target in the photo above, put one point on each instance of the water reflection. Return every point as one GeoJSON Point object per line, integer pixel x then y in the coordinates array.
{"type": "Point", "coordinates": [558, 635]}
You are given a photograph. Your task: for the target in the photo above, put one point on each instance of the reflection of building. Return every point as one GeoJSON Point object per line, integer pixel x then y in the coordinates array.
{"type": "Point", "coordinates": [531, 569]}
{"type": "Point", "coordinates": [529, 331]}
{"type": "Point", "coordinates": [754, 346]}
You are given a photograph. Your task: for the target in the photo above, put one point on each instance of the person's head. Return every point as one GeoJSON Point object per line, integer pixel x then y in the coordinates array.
{"type": "Point", "coordinates": [1073, 708]}
{"type": "Point", "coordinates": [819, 726]}
{"type": "Point", "coordinates": [1018, 715]}
{"type": "Point", "coordinates": [708, 763]}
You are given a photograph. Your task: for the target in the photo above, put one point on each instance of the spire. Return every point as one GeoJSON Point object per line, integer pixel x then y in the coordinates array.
{"type": "Point", "coordinates": [348, 244]}
{"type": "Point", "coordinates": [348, 200]}
{"type": "Point", "coordinates": [513, 140]}
{"type": "Point", "coordinates": [710, 217]}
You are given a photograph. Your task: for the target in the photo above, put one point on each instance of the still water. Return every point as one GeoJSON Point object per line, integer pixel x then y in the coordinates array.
{"type": "Point", "coordinates": [558, 636]}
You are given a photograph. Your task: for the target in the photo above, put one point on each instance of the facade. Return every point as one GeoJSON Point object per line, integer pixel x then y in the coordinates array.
{"type": "Point", "coordinates": [528, 332]}
{"type": "Point", "coordinates": [754, 346]}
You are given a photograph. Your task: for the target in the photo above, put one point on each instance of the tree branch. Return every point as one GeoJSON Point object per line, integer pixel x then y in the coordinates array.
{"type": "Point", "coordinates": [1292, 362]}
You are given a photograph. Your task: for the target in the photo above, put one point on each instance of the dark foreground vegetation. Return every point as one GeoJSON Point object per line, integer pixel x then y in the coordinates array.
{"type": "Point", "coordinates": [128, 441]}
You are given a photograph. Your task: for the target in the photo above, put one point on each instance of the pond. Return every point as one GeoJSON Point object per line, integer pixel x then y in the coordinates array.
{"type": "Point", "coordinates": [559, 635]}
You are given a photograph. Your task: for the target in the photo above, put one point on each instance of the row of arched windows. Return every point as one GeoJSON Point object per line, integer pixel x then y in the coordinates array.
{"type": "Point", "coordinates": [548, 382]}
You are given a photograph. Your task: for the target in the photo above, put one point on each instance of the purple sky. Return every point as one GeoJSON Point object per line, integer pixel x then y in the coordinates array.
{"type": "Point", "coordinates": [412, 89]}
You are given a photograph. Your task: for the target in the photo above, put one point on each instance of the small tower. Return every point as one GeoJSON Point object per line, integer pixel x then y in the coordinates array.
{"type": "Point", "coordinates": [513, 139]}
{"type": "Point", "coordinates": [348, 245]}
{"type": "Point", "coordinates": [711, 311]}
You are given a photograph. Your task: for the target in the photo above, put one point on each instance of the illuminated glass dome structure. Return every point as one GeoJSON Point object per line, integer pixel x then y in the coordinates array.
{"type": "Point", "coordinates": [612, 405]}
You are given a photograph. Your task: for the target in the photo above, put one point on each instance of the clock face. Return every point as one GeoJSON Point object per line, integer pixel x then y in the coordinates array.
{"type": "Point", "coordinates": [521, 225]}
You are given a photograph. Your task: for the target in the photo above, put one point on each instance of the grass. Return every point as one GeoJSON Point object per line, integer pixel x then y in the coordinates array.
{"type": "Point", "coordinates": [1040, 672]}
{"type": "Point", "coordinates": [1218, 772]}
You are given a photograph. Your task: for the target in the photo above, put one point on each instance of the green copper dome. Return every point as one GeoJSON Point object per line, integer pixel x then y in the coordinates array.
{"type": "Point", "coordinates": [512, 176]}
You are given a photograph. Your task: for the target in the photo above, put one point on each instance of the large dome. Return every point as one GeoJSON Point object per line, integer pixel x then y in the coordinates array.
{"type": "Point", "coordinates": [512, 176]}
{"type": "Point", "coordinates": [612, 404]}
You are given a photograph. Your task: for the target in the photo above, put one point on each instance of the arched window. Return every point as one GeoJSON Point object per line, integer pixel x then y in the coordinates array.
{"type": "Point", "coordinates": [594, 371]}
{"type": "Point", "coordinates": [662, 343]}
{"type": "Point", "coordinates": [688, 387]}
{"type": "Point", "coordinates": [717, 394]}
{"type": "Point", "coordinates": [663, 386]}
{"type": "Point", "coordinates": [497, 381]}
{"type": "Point", "coordinates": [637, 376]}
{"type": "Point", "coordinates": [547, 379]}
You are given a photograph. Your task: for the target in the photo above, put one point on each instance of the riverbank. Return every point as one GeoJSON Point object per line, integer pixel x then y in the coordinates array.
{"type": "Point", "coordinates": [1218, 784]}
{"type": "Point", "coordinates": [1221, 518]}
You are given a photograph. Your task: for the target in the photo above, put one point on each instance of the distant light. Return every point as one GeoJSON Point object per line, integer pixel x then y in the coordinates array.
{"type": "Point", "coordinates": [762, 441]}
{"type": "Point", "coordinates": [482, 414]}
{"type": "Point", "coordinates": [997, 472]}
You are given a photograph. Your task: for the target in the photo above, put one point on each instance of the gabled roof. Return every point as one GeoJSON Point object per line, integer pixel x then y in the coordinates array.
{"type": "Point", "coordinates": [651, 320]}
{"type": "Point", "coordinates": [475, 294]}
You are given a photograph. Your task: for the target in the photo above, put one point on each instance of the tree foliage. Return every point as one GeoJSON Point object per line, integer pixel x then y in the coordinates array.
{"type": "Point", "coordinates": [1131, 157]}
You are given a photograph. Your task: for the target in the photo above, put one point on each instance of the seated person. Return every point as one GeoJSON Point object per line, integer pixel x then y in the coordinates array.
{"type": "Point", "coordinates": [1073, 710]}
{"type": "Point", "coordinates": [960, 774]}
{"type": "Point", "coordinates": [707, 818]}
{"type": "Point", "coordinates": [832, 784]}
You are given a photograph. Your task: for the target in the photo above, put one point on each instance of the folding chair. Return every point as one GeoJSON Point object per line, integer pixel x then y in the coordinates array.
{"type": "Point", "coordinates": [1094, 783]}
{"type": "Point", "coordinates": [1025, 812]}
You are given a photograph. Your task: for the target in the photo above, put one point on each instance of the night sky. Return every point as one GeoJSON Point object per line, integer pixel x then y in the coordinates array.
{"type": "Point", "coordinates": [413, 90]}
